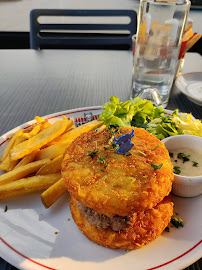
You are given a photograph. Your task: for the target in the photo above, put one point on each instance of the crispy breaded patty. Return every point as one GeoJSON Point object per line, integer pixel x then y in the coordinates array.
{"type": "Point", "coordinates": [144, 227]}
{"type": "Point", "coordinates": [114, 184]}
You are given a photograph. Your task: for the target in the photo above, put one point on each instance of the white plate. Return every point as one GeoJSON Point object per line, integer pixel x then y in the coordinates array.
{"type": "Point", "coordinates": [190, 84]}
{"type": "Point", "coordinates": [32, 237]}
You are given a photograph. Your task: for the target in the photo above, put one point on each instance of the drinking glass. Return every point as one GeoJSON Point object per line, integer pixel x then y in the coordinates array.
{"type": "Point", "coordinates": [159, 35]}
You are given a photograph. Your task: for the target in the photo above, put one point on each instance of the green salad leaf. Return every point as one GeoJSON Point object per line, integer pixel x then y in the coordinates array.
{"type": "Point", "coordinates": [163, 127]}
{"type": "Point", "coordinates": [142, 113]}
{"type": "Point", "coordinates": [116, 113]}
{"type": "Point", "coordinates": [187, 124]}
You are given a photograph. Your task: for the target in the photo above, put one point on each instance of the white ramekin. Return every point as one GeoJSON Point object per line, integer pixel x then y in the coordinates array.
{"type": "Point", "coordinates": [185, 186]}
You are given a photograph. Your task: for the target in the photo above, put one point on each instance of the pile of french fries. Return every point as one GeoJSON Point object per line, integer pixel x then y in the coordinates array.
{"type": "Point", "coordinates": [33, 157]}
{"type": "Point", "coordinates": [188, 40]}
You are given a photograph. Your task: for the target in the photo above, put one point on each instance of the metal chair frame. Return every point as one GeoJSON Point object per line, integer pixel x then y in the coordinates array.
{"type": "Point", "coordinates": [47, 35]}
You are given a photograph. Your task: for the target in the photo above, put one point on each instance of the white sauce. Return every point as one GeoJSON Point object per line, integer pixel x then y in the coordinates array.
{"type": "Point", "coordinates": [187, 168]}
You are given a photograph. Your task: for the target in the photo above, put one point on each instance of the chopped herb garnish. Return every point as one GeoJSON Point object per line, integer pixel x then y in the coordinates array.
{"type": "Point", "coordinates": [189, 179]}
{"type": "Point", "coordinates": [157, 167]}
{"type": "Point", "coordinates": [5, 208]}
{"type": "Point", "coordinates": [114, 145]}
{"type": "Point", "coordinates": [96, 144]}
{"type": "Point", "coordinates": [102, 170]}
{"type": "Point", "coordinates": [133, 181]}
{"type": "Point", "coordinates": [156, 147]}
{"type": "Point", "coordinates": [177, 222]}
{"type": "Point", "coordinates": [91, 154]}
{"type": "Point", "coordinates": [195, 164]}
{"type": "Point", "coordinates": [183, 157]}
{"type": "Point", "coordinates": [101, 159]}
{"type": "Point", "coordinates": [128, 154]}
{"type": "Point", "coordinates": [170, 154]}
{"type": "Point", "coordinates": [167, 229]}
{"type": "Point", "coordinates": [106, 148]}
{"type": "Point", "coordinates": [111, 140]}
{"type": "Point", "coordinates": [176, 170]}
{"type": "Point", "coordinates": [113, 129]}
{"type": "Point", "coordinates": [115, 185]}
{"type": "Point", "coordinates": [141, 153]}
{"type": "Point", "coordinates": [88, 140]}
{"type": "Point", "coordinates": [126, 250]}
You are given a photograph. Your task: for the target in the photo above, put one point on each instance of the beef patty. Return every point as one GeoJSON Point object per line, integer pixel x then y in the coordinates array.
{"type": "Point", "coordinates": [116, 223]}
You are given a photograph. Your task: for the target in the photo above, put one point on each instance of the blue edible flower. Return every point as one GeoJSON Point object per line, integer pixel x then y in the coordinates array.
{"type": "Point", "coordinates": [124, 142]}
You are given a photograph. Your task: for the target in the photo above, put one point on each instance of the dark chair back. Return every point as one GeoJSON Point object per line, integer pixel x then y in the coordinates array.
{"type": "Point", "coordinates": [82, 36]}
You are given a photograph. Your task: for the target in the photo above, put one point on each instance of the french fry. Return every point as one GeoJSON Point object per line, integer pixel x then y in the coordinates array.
{"type": "Point", "coordinates": [10, 144]}
{"type": "Point", "coordinates": [71, 135]}
{"type": "Point", "coordinates": [101, 129]}
{"type": "Point", "coordinates": [45, 124]}
{"type": "Point", "coordinates": [191, 42]}
{"type": "Point", "coordinates": [34, 131]}
{"type": "Point", "coordinates": [66, 139]}
{"type": "Point", "coordinates": [8, 164]}
{"type": "Point", "coordinates": [54, 166]}
{"type": "Point", "coordinates": [28, 185]}
{"type": "Point", "coordinates": [39, 119]}
{"type": "Point", "coordinates": [188, 33]}
{"type": "Point", "coordinates": [55, 141]}
{"type": "Point", "coordinates": [36, 128]}
{"type": "Point", "coordinates": [52, 151]}
{"type": "Point", "coordinates": [39, 140]}
{"type": "Point", "coordinates": [23, 137]}
{"type": "Point", "coordinates": [72, 127]}
{"type": "Point", "coordinates": [28, 129]}
{"type": "Point", "coordinates": [21, 172]}
{"type": "Point", "coordinates": [19, 137]}
{"type": "Point", "coordinates": [60, 138]}
{"type": "Point", "coordinates": [53, 193]}
{"type": "Point", "coordinates": [27, 159]}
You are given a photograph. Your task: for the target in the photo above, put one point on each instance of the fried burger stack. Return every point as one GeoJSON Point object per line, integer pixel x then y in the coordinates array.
{"type": "Point", "coordinates": [119, 200]}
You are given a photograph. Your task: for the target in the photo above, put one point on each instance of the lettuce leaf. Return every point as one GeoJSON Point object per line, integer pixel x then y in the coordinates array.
{"type": "Point", "coordinates": [163, 127]}
{"type": "Point", "coordinates": [186, 124]}
{"type": "Point", "coordinates": [125, 113]}
{"type": "Point", "coordinates": [116, 113]}
{"type": "Point", "coordinates": [142, 113]}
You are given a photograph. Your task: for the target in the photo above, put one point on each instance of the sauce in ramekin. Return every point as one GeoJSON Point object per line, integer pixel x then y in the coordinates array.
{"type": "Point", "coordinates": [186, 161]}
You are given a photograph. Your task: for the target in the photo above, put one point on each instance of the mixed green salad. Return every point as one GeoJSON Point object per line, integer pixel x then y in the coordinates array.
{"type": "Point", "coordinates": [142, 113]}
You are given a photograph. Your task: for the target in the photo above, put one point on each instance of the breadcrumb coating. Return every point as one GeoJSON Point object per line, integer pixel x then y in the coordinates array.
{"type": "Point", "coordinates": [145, 227]}
{"type": "Point", "coordinates": [114, 184]}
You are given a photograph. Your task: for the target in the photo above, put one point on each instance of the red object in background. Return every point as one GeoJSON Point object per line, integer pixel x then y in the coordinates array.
{"type": "Point", "coordinates": [181, 55]}
{"type": "Point", "coordinates": [182, 49]}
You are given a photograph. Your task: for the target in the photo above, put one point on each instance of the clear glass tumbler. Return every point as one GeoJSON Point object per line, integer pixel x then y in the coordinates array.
{"type": "Point", "coordinates": [159, 35]}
